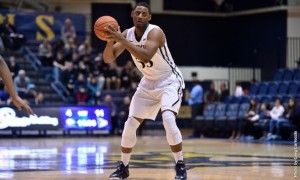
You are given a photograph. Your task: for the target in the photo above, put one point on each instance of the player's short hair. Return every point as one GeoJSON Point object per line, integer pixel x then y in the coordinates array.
{"type": "Point", "coordinates": [143, 4]}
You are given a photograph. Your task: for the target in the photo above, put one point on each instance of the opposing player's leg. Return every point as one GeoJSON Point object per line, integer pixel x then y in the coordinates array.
{"type": "Point", "coordinates": [174, 139]}
{"type": "Point", "coordinates": [128, 142]}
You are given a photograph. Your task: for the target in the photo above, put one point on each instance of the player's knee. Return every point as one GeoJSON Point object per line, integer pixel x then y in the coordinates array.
{"type": "Point", "coordinates": [131, 123]}
{"type": "Point", "coordinates": [129, 132]}
{"type": "Point", "coordinates": [172, 132]}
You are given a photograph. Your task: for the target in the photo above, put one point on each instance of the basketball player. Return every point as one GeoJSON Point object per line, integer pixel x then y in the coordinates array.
{"type": "Point", "coordinates": [8, 82]}
{"type": "Point", "coordinates": [159, 89]}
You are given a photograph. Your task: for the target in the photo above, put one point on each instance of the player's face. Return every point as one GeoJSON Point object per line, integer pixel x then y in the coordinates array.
{"type": "Point", "coordinates": [141, 16]}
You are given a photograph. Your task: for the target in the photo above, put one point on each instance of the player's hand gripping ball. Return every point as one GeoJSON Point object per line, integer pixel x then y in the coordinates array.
{"type": "Point", "coordinates": [101, 23]}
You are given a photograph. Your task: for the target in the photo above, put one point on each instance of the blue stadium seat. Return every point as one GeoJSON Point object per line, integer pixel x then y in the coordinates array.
{"type": "Point", "coordinates": [286, 98]}
{"type": "Point", "coordinates": [265, 99]}
{"type": "Point", "coordinates": [288, 75]}
{"type": "Point", "coordinates": [283, 88]}
{"type": "Point", "coordinates": [278, 76]}
{"type": "Point", "coordinates": [272, 88]}
{"type": "Point", "coordinates": [242, 113]}
{"type": "Point", "coordinates": [253, 89]}
{"type": "Point", "coordinates": [208, 113]}
{"type": "Point", "coordinates": [235, 99]}
{"type": "Point", "coordinates": [262, 88]}
{"type": "Point", "coordinates": [293, 88]}
{"type": "Point", "coordinates": [245, 99]}
{"type": "Point", "coordinates": [243, 109]}
{"type": "Point", "coordinates": [206, 121]}
{"type": "Point", "coordinates": [297, 97]}
{"type": "Point", "coordinates": [297, 75]}
{"type": "Point", "coordinates": [220, 116]}
{"type": "Point", "coordinates": [232, 111]}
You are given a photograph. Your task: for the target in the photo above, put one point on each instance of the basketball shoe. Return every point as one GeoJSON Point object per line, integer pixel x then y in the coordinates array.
{"type": "Point", "coordinates": [180, 170]}
{"type": "Point", "coordinates": [122, 172]}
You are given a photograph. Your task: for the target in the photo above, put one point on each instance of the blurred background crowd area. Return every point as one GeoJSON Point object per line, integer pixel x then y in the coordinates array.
{"type": "Point", "coordinates": [239, 50]}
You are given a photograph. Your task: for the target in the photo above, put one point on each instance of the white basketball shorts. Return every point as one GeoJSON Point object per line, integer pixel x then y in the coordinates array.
{"type": "Point", "coordinates": [151, 96]}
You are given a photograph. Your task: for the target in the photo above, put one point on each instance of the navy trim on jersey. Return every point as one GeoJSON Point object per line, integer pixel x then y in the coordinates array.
{"type": "Point", "coordinates": [173, 70]}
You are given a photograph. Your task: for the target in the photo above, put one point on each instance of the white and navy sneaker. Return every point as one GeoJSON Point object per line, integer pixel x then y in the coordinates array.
{"type": "Point", "coordinates": [122, 172]}
{"type": "Point", "coordinates": [180, 170]}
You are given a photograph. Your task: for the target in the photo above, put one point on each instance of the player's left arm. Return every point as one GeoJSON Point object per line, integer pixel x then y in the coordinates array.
{"type": "Point", "coordinates": [154, 41]}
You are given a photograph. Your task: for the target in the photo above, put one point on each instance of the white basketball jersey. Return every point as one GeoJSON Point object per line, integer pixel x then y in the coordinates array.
{"type": "Point", "coordinates": [161, 65]}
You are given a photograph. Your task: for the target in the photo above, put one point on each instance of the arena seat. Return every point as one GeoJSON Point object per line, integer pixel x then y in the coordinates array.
{"type": "Point", "coordinates": [283, 88]}
{"type": "Point", "coordinates": [293, 88]}
{"type": "Point", "coordinates": [288, 75]}
{"type": "Point", "coordinates": [297, 75]}
{"type": "Point", "coordinates": [278, 76]}
{"type": "Point", "coordinates": [220, 113]}
{"type": "Point", "coordinates": [242, 111]}
{"type": "Point", "coordinates": [262, 88]}
{"type": "Point", "coordinates": [253, 89]}
{"type": "Point", "coordinates": [205, 122]}
{"type": "Point", "coordinates": [272, 88]}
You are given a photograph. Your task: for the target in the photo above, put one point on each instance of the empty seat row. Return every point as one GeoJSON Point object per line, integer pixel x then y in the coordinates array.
{"type": "Point", "coordinates": [275, 88]}
{"type": "Point", "coordinates": [261, 98]}
{"type": "Point", "coordinates": [221, 115]}
{"type": "Point", "coordinates": [287, 75]}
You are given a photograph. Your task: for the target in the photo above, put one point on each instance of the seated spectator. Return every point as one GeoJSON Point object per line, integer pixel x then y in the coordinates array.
{"type": "Point", "coordinates": [31, 94]}
{"type": "Point", "coordinates": [13, 66]}
{"type": "Point", "coordinates": [276, 114]}
{"type": "Point", "coordinates": [211, 95]}
{"type": "Point", "coordinates": [113, 80]}
{"type": "Point", "coordinates": [126, 74]}
{"type": "Point", "coordinates": [21, 83]}
{"type": "Point", "coordinates": [113, 113]}
{"type": "Point", "coordinates": [124, 111]}
{"type": "Point", "coordinates": [59, 65]}
{"type": "Point", "coordinates": [244, 125]}
{"type": "Point", "coordinates": [68, 30]}
{"type": "Point", "coordinates": [85, 48]}
{"type": "Point", "coordinates": [83, 68]}
{"type": "Point", "coordinates": [68, 77]}
{"type": "Point", "coordinates": [81, 90]}
{"type": "Point", "coordinates": [264, 119]}
{"type": "Point", "coordinates": [238, 90]}
{"type": "Point", "coordinates": [95, 87]}
{"type": "Point", "coordinates": [224, 92]}
{"type": "Point", "coordinates": [11, 38]}
{"type": "Point", "coordinates": [39, 99]}
{"type": "Point", "coordinates": [70, 48]}
{"type": "Point", "coordinates": [58, 46]}
{"type": "Point", "coordinates": [45, 53]}
{"type": "Point", "coordinates": [290, 117]}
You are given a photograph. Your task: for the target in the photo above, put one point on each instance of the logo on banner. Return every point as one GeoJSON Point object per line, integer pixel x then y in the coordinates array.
{"type": "Point", "coordinates": [8, 119]}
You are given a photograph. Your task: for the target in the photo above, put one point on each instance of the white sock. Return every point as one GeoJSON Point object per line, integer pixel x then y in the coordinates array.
{"type": "Point", "coordinates": [125, 157]}
{"type": "Point", "coordinates": [177, 156]}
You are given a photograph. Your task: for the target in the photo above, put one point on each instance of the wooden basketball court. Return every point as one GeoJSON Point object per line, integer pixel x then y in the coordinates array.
{"type": "Point", "coordinates": [96, 157]}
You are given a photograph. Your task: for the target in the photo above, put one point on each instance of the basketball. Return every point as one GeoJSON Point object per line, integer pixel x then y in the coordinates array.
{"type": "Point", "coordinates": [101, 23]}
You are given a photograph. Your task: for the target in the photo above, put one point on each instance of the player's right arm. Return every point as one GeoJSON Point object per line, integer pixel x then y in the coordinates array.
{"type": "Point", "coordinates": [113, 50]}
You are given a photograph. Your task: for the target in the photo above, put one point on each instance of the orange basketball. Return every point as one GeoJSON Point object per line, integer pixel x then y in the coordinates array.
{"type": "Point", "coordinates": [101, 23]}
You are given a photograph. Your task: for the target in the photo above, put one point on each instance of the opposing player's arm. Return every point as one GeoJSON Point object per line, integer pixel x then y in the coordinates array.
{"type": "Point", "coordinates": [113, 50]}
{"type": "Point", "coordinates": [154, 41]}
{"type": "Point", "coordinates": [8, 82]}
